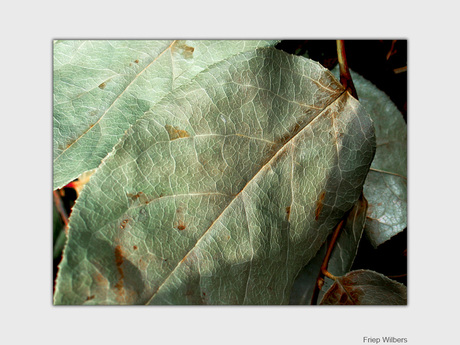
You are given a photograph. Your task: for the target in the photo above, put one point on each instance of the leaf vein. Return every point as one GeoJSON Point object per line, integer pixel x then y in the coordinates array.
{"type": "Point", "coordinates": [114, 102]}
{"type": "Point", "coordinates": [281, 149]}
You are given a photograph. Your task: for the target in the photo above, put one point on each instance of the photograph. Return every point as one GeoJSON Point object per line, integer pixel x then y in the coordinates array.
{"type": "Point", "coordinates": [229, 172]}
{"type": "Point", "coordinates": [236, 173]}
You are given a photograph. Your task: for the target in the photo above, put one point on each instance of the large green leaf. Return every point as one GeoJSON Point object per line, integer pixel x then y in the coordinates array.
{"type": "Point", "coordinates": [223, 191]}
{"type": "Point", "coordinates": [102, 87]}
{"type": "Point", "coordinates": [386, 185]}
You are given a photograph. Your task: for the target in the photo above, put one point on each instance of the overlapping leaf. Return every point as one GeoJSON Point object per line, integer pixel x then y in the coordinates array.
{"type": "Point", "coordinates": [340, 262]}
{"type": "Point", "coordinates": [386, 184]}
{"type": "Point", "coordinates": [223, 191]}
{"type": "Point", "coordinates": [364, 287]}
{"type": "Point", "coordinates": [102, 87]}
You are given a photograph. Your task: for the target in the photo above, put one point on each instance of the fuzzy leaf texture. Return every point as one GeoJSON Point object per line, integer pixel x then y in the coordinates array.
{"type": "Point", "coordinates": [103, 87]}
{"type": "Point", "coordinates": [223, 191]}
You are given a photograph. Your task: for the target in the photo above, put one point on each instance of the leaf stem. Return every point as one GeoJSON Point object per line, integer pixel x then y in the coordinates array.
{"type": "Point", "coordinates": [345, 76]}
{"type": "Point", "coordinates": [334, 237]}
{"type": "Point", "coordinates": [323, 271]}
{"type": "Point", "coordinates": [398, 276]}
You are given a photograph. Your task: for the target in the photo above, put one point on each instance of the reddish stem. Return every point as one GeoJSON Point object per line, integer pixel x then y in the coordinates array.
{"type": "Point", "coordinates": [60, 208]}
{"type": "Point", "coordinates": [323, 271]}
{"type": "Point", "coordinates": [345, 76]}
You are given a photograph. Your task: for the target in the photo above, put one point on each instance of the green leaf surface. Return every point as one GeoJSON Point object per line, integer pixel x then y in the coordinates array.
{"type": "Point", "coordinates": [387, 213]}
{"type": "Point", "coordinates": [102, 87]}
{"type": "Point", "coordinates": [223, 191]}
{"type": "Point", "coordinates": [365, 287]}
{"type": "Point", "coordinates": [59, 244]}
{"type": "Point", "coordinates": [386, 185]}
{"type": "Point", "coordinates": [341, 259]}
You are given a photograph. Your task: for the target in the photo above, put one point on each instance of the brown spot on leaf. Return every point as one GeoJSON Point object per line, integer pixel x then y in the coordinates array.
{"type": "Point", "coordinates": [288, 213]}
{"type": "Point", "coordinates": [102, 86]}
{"type": "Point", "coordinates": [123, 223]}
{"type": "Point", "coordinates": [176, 133]}
{"type": "Point", "coordinates": [119, 258]}
{"type": "Point", "coordinates": [136, 61]}
{"type": "Point", "coordinates": [139, 196]}
{"type": "Point", "coordinates": [180, 222]}
{"type": "Point", "coordinates": [188, 51]}
{"type": "Point", "coordinates": [182, 48]}
{"type": "Point", "coordinates": [134, 196]}
{"type": "Point", "coordinates": [89, 298]}
{"type": "Point", "coordinates": [319, 205]}
{"type": "Point", "coordinates": [135, 247]}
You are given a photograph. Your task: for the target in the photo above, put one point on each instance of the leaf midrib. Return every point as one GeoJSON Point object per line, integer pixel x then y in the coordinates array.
{"type": "Point", "coordinates": [283, 147]}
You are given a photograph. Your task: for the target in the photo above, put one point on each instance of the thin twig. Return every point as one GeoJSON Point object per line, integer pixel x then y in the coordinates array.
{"type": "Point", "coordinates": [334, 237]}
{"type": "Point", "coordinates": [345, 76]}
{"type": "Point", "coordinates": [398, 276]}
{"type": "Point", "coordinates": [323, 271]}
{"type": "Point", "coordinates": [60, 208]}
{"type": "Point", "coordinates": [400, 70]}
{"type": "Point", "coordinates": [392, 50]}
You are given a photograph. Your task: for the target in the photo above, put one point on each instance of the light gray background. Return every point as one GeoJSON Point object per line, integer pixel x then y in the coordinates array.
{"type": "Point", "coordinates": [27, 30]}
